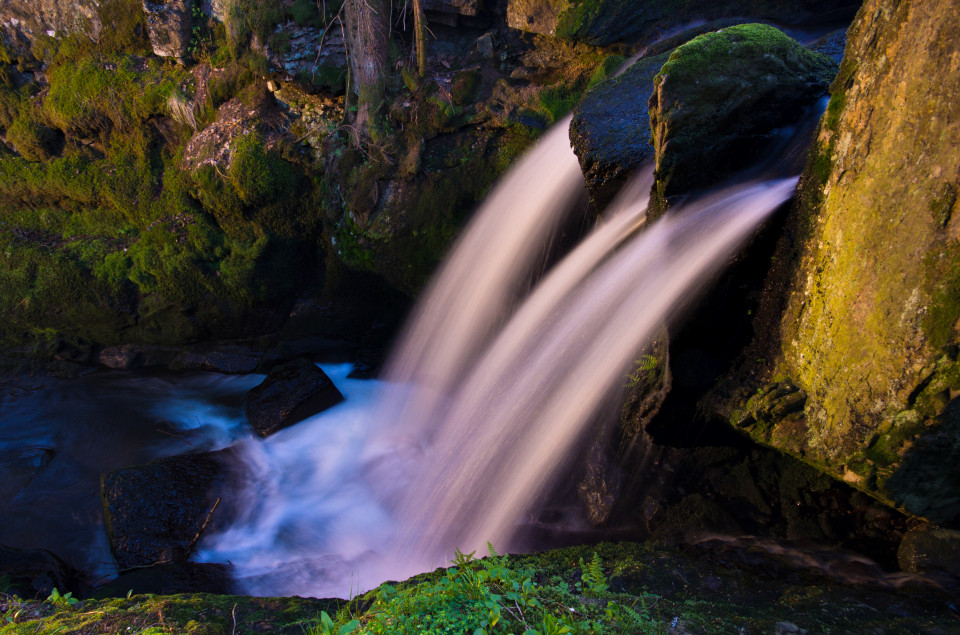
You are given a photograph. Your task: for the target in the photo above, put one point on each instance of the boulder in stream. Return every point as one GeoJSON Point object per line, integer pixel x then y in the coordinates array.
{"type": "Point", "coordinates": [289, 394]}
{"type": "Point", "coordinates": [720, 95]}
{"type": "Point", "coordinates": [156, 513]}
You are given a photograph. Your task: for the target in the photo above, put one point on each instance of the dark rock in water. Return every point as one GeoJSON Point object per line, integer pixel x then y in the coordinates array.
{"type": "Point", "coordinates": [170, 579]}
{"type": "Point", "coordinates": [290, 393]}
{"type": "Point", "coordinates": [34, 573]}
{"type": "Point", "coordinates": [18, 467]}
{"type": "Point", "coordinates": [610, 131]}
{"type": "Point", "coordinates": [156, 512]}
{"type": "Point", "coordinates": [231, 359]}
{"type": "Point", "coordinates": [719, 95]}
{"type": "Point", "coordinates": [218, 358]}
{"type": "Point", "coordinates": [930, 550]}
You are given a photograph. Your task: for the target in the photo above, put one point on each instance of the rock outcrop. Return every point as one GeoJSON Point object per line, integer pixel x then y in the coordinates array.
{"type": "Point", "coordinates": [719, 95]}
{"type": "Point", "coordinates": [859, 319]}
{"type": "Point", "coordinates": [22, 22]}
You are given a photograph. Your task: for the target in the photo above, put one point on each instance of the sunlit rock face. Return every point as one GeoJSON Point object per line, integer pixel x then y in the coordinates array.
{"type": "Point", "coordinates": [861, 310]}
{"type": "Point", "coordinates": [22, 22]}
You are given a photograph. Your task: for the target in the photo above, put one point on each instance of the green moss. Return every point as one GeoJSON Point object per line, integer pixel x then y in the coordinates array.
{"type": "Point", "coordinates": [715, 52]}
{"type": "Point", "coordinates": [942, 273]}
{"type": "Point", "coordinates": [31, 139]}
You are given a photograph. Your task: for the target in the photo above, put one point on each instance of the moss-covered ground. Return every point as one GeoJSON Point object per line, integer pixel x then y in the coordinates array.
{"type": "Point", "coordinates": [714, 587]}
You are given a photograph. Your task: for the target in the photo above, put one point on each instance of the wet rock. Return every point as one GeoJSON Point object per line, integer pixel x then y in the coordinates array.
{"type": "Point", "coordinates": [129, 356]}
{"type": "Point", "coordinates": [600, 488]}
{"type": "Point", "coordinates": [231, 359]}
{"type": "Point", "coordinates": [171, 579]}
{"type": "Point", "coordinates": [289, 394]}
{"type": "Point", "coordinates": [930, 550]}
{"type": "Point", "coordinates": [719, 95]}
{"type": "Point", "coordinates": [155, 512]}
{"type": "Point", "coordinates": [18, 467]}
{"type": "Point", "coordinates": [34, 573]}
{"type": "Point", "coordinates": [610, 131]}
{"type": "Point", "coordinates": [168, 22]}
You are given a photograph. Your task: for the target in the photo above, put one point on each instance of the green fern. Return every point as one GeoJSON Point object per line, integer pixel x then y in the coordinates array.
{"type": "Point", "coordinates": [595, 583]}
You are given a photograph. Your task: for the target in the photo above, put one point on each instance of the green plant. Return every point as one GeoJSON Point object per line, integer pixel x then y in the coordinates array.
{"type": "Point", "coordinates": [592, 576]}
{"type": "Point", "coordinates": [66, 599]}
{"type": "Point", "coordinates": [326, 626]}
{"type": "Point", "coordinates": [645, 371]}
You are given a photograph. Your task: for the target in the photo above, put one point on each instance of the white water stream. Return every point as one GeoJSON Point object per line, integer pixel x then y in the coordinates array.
{"type": "Point", "coordinates": [491, 388]}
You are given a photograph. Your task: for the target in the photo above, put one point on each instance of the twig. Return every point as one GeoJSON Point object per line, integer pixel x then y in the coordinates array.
{"type": "Point", "coordinates": [196, 539]}
{"type": "Point", "coordinates": [233, 613]}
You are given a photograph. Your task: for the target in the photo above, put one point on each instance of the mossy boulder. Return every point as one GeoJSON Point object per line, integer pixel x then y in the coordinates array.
{"type": "Point", "coordinates": [860, 310]}
{"type": "Point", "coordinates": [718, 95]}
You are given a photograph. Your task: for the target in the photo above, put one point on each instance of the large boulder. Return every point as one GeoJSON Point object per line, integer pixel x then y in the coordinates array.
{"type": "Point", "coordinates": [604, 22]}
{"type": "Point", "coordinates": [156, 513]}
{"type": "Point", "coordinates": [610, 131]}
{"type": "Point", "coordinates": [289, 394]}
{"type": "Point", "coordinates": [855, 368]}
{"type": "Point", "coordinates": [719, 94]}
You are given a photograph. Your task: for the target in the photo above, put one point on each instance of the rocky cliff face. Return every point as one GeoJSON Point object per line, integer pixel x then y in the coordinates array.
{"type": "Point", "coordinates": [23, 21]}
{"type": "Point", "coordinates": [865, 303]}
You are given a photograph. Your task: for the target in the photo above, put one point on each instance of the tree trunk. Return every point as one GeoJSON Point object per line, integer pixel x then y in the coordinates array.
{"type": "Point", "coordinates": [368, 30]}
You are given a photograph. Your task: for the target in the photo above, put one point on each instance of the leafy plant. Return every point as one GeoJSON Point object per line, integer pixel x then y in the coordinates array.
{"type": "Point", "coordinates": [66, 599]}
{"type": "Point", "coordinates": [592, 577]}
{"type": "Point", "coordinates": [326, 626]}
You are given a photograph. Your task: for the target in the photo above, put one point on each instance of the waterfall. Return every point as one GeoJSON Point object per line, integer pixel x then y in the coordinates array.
{"type": "Point", "coordinates": [493, 384]}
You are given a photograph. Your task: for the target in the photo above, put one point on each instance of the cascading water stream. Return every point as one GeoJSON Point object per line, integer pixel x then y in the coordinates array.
{"type": "Point", "coordinates": [487, 393]}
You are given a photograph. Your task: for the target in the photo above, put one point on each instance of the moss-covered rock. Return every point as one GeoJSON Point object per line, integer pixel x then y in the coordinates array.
{"type": "Point", "coordinates": [860, 310]}
{"type": "Point", "coordinates": [718, 95]}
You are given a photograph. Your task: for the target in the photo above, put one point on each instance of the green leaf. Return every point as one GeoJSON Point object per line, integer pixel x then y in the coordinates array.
{"type": "Point", "coordinates": [349, 627]}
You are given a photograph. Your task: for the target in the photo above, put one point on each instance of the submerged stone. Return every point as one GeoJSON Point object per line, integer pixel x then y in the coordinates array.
{"type": "Point", "coordinates": [291, 393]}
